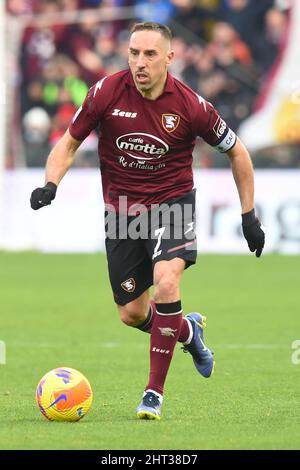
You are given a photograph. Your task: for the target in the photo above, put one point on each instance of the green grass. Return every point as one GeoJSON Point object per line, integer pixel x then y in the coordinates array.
{"type": "Point", "coordinates": [57, 310]}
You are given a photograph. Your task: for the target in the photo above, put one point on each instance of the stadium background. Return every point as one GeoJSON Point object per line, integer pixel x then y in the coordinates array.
{"type": "Point", "coordinates": [243, 56]}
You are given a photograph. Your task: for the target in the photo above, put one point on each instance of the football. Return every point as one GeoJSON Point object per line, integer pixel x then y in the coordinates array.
{"type": "Point", "coordinates": [64, 394]}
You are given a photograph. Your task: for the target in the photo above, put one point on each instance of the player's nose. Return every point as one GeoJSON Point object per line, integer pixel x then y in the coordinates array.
{"type": "Point", "coordinates": [140, 61]}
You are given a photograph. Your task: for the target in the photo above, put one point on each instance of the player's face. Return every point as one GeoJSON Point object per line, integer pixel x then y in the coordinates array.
{"type": "Point", "coordinates": [149, 57]}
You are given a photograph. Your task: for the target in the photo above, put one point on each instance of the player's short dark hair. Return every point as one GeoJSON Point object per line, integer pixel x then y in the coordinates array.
{"type": "Point", "coordinates": [151, 26]}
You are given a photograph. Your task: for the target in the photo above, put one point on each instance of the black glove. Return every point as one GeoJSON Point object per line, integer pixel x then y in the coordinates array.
{"type": "Point", "coordinates": [253, 232]}
{"type": "Point", "coordinates": [41, 197]}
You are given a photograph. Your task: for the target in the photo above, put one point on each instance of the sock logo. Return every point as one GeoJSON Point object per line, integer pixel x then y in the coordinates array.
{"type": "Point", "coordinates": [167, 331]}
{"type": "Point", "coordinates": [162, 351]}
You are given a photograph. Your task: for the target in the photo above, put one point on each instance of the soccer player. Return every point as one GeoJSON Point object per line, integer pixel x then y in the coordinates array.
{"type": "Point", "coordinates": [148, 122]}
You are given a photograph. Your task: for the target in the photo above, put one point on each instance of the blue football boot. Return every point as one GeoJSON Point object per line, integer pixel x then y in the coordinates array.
{"type": "Point", "coordinates": [203, 358]}
{"type": "Point", "coordinates": [150, 407]}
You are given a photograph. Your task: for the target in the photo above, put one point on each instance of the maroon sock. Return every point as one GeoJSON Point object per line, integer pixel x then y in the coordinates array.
{"type": "Point", "coordinates": [164, 335]}
{"type": "Point", "coordinates": [146, 326]}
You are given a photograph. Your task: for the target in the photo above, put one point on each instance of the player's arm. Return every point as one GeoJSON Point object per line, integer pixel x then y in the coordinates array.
{"type": "Point", "coordinates": [61, 158]}
{"type": "Point", "coordinates": [214, 130]}
{"type": "Point", "coordinates": [86, 118]}
{"type": "Point", "coordinates": [242, 171]}
{"type": "Point", "coordinates": [59, 161]}
{"type": "Point", "coordinates": [243, 174]}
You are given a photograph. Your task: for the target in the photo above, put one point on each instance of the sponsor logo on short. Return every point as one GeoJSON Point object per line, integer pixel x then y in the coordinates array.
{"type": "Point", "coordinates": [219, 127]}
{"type": "Point", "coordinates": [162, 351]}
{"type": "Point", "coordinates": [170, 122]}
{"type": "Point", "coordinates": [128, 285]}
{"type": "Point", "coordinates": [167, 331]}
{"type": "Point", "coordinates": [126, 114]}
{"type": "Point", "coordinates": [142, 146]}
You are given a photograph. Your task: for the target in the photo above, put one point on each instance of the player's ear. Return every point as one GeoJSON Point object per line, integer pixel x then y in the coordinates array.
{"type": "Point", "coordinates": [170, 56]}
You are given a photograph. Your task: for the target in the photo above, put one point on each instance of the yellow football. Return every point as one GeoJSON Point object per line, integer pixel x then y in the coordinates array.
{"type": "Point", "coordinates": [64, 394]}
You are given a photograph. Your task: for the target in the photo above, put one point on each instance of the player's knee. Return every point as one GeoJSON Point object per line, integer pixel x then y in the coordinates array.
{"type": "Point", "coordinates": [130, 316]}
{"type": "Point", "coordinates": [167, 275]}
{"type": "Point", "coordinates": [166, 288]}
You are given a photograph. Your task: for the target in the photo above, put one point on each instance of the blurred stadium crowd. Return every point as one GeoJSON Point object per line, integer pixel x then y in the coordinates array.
{"type": "Point", "coordinates": [224, 50]}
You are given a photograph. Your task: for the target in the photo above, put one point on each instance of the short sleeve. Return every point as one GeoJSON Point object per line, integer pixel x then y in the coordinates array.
{"type": "Point", "coordinates": [212, 128]}
{"type": "Point", "coordinates": [90, 113]}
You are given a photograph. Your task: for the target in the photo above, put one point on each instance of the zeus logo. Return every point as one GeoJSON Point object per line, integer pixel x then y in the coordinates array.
{"type": "Point", "coordinates": [118, 112]}
{"type": "Point", "coordinates": [162, 351]}
{"type": "Point", "coordinates": [137, 145]}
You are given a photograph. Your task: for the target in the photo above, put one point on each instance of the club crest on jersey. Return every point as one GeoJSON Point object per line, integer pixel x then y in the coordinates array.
{"type": "Point", "coordinates": [129, 285]}
{"type": "Point", "coordinates": [170, 122]}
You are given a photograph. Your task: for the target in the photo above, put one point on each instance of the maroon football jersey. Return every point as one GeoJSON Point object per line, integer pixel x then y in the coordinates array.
{"type": "Point", "coordinates": [145, 146]}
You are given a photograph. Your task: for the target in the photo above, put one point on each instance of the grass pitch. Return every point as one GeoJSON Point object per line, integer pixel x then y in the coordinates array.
{"type": "Point", "coordinates": [57, 310]}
